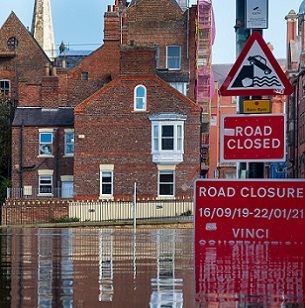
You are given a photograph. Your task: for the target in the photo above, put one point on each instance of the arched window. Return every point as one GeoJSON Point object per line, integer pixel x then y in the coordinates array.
{"type": "Point", "coordinates": [140, 98]}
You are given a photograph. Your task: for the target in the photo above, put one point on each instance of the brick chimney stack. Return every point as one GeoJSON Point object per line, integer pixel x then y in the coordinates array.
{"type": "Point", "coordinates": [292, 56]}
{"type": "Point", "coordinates": [138, 60]}
{"type": "Point", "coordinates": [111, 25]}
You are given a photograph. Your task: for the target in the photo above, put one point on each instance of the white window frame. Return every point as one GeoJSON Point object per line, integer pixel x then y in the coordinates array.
{"type": "Point", "coordinates": [45, 175]}
{"type": "Point", "coordinates": [182, 87]}
{"type": "Point", "coordinates": [159, 137]}
{"type": "Point", "coordinates": [230, 175]}
{"type": "Point", "coordinates": [173, 58]}
{"type": "Point", "coordinates": [172, 184]}
{"type": "Point", "coordinates": [5, 90]}
{"type": "Point", "coordinates": [174, 155]}
{"type": "Point", "coordinates": [69, 144]}
{"type": "Point", "coordinates": [136, 97]}
{"type": "Point", "coordinates": [106, 169]}
{"type": "Point", "coordinates": [44, 145]}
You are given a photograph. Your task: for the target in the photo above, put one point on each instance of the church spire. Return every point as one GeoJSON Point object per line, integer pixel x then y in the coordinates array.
{"type": "Point", "coordinates": [42, 27]}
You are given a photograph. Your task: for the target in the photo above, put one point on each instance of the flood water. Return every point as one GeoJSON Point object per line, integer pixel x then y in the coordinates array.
{"type": "Point", "coordinates": [117, 267]}
{"type": "Point", "coordinates": [96, 267]}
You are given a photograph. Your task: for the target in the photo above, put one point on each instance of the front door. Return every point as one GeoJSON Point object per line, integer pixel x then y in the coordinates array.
{"type": "Point", "coordinates": [67, 190]}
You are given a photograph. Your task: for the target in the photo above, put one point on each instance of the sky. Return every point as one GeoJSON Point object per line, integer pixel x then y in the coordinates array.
{"type": "Point", "coordinates": [79, 24]}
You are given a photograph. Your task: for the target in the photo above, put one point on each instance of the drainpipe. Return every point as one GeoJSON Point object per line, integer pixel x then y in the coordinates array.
{"type": "Point", "coordinates": [20, 160]}
{"type": "Point", "coordinates": [200, 143]}
{"type": "Point", "coordinates": [57, 185]}
{"type": "Point", "coordinates": [188, 30]}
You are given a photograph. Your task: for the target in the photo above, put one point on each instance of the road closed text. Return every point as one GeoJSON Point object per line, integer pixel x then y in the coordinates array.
{"type": "Point", "coordinates": [253, 138]}
{"type": "Point", "coordinates": [252, 192]}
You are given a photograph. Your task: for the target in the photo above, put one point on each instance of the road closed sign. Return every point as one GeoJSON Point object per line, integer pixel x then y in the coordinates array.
{"type": "Point", "coordinates": [253, 138]}
{"type": "Point", "coordinates": [249, 240]}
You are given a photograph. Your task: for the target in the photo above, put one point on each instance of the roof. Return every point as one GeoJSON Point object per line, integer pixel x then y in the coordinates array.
{"type": "Point", "coordinates": [302, 7]}
{"type": "Point", "coordinates": [75, 53]}
{"type": "Point", "coordinates": [170, 76]}
{"type": "Point", "coordinates": [112, 84]}
{"type": "Point", "coordinates": [220, 72]}
{"type": "Point", "coordinates": [37, 116]}
{"type": "Point", "coordinates": [174, 2]}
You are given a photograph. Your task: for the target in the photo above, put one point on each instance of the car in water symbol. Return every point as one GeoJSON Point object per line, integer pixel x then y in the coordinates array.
{"type": "Point", "coordinates": [260, 62]}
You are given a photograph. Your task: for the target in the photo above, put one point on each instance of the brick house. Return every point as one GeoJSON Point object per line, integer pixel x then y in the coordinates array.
{"type": "Point", "coordinates": [22, 63]}
{"type": "Point", "coordinates": [48, 161]}
{"type": "Point", "coordinates": [136, 129]}
{"type": "Point", "coordinates": [43, 149]}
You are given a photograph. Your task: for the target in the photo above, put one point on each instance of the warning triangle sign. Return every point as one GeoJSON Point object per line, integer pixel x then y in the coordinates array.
{"type": "Point", "coordinates": [256, 72]}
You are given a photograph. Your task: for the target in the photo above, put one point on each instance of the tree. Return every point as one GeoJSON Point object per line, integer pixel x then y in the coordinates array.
{"type": "Point", "coordinates": [7, 112]}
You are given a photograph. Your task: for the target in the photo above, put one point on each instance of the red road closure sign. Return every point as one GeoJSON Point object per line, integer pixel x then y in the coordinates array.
{"type": "Point", "coordinates": [249, 235]}
{"type": "Point", "coordinates": [253, 138]}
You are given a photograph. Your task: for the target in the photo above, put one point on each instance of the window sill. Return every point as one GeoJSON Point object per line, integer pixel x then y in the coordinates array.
{"type": "Point", "coordinates": [167, 158]}
{"type": "Point", "coordinates": [45, 195]}
{"type": "Point", "coordinates": [166, 198]}
{"type": "Point", "coordinates": [107, 198]}
{"type": "Point", "coordinates": [45, 156]}
{"type": "Point", "coordinates": [68, 156]}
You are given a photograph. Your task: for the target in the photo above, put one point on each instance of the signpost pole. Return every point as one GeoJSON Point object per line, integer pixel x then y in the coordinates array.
{"type": "Point", "coordinates": [134, 205]}
{"type": "Point", "coordinates": [253, 170]}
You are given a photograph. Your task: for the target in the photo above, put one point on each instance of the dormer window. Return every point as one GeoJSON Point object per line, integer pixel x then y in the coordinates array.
{"type": "Point", "coordinates": [140, 98]}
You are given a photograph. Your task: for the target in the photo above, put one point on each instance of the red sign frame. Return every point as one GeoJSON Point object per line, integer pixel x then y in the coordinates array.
{"type": "Point", "coordinates": [249, 235]}
{"type": "Point", "coordinates": [258, 54]}
{"type": "Point", "coordinates": [253, 137]}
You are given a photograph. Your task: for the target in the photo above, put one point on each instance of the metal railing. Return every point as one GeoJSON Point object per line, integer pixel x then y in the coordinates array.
{"type": "Point", "coordinates": [30, 193]}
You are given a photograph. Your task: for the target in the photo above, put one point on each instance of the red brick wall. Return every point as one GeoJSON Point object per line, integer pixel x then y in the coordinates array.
{"type": "Point", "coordinates": [167, 25]}
{"type": "Point", "coordinates": [27, 66]}
{"type": "Point", "coordinates": [221, 105]}
{"type": "Point", "coordinates": [115, 134]}
{"type": "Point", "coordinates": [28, 211]}
{"type": "Point", "coordinates": [30, 151]}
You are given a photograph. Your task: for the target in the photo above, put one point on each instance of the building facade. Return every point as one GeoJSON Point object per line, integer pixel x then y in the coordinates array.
{"type": "Point", "coordinates": [136, 129]}
{"type": "Point", "coordinates": [295, 104]}
{"type": "Point", "coordinates": [77, 128]}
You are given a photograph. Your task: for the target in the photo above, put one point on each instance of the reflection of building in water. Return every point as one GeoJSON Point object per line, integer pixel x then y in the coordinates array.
{"type": "Point", "coordinates": [105, 265]}
{"type": "Point", "coordinates": [167, 288]}
{"type": "Point", "coordinates": [82, 267]}
{"type": "Point", "coordinates": [67, 269]}
{"type": "Point", "coordinates": [45, 269]}
{"type": "Point", "coordinates": [54, 273]}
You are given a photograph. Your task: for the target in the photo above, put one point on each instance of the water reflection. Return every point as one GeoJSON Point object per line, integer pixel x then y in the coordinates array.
{"type": "Point", "coordinates": [110, 267]}
{"type": "Point", "coordinates": [251, 274]}
{"type": "Point", "coordinates": [85, 267]}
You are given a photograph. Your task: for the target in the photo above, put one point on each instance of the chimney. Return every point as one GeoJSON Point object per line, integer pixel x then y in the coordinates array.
{"type": "Point", "coordinates": [292, 56]}
{"type": "Point", "coordinates": [111, 25]}
{"type": "Point", "coordinates": [138, 60]}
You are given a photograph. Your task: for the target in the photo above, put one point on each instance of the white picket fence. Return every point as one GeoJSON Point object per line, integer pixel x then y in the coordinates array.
{"type": "Point", "coordinates": [124, 210]}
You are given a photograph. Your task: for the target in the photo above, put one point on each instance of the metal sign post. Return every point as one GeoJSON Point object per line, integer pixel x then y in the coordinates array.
{"type": "Point", "coordinates": [134, 205]}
